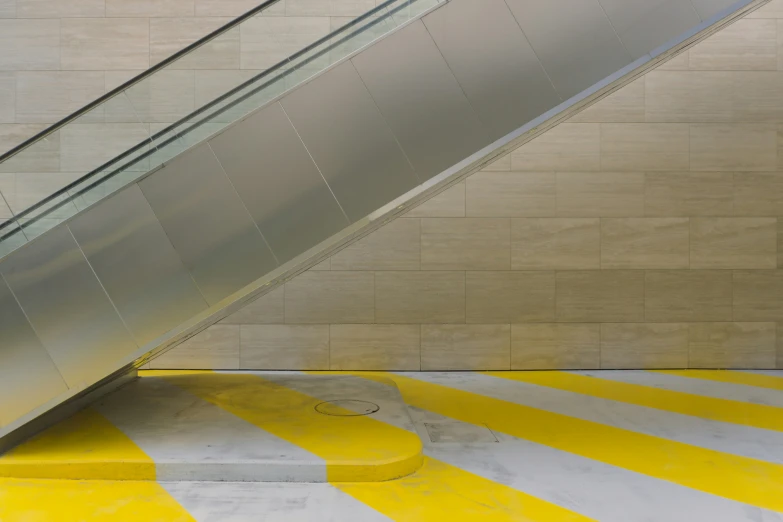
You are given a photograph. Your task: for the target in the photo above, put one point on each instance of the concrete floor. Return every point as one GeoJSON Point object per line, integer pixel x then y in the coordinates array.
{"type": "Point", "coordinates": [621, 446]}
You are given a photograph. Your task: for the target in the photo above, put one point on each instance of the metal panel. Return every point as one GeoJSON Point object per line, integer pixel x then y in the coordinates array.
{"type": "Point", "coordinates": [279, 183]}
{"type": "Point", "coordinates": [67, 307]}
{"type": "Point", "coordinates": [493, 62]}
{"type": "Point", "coordinates": [573, 39]}
{"type": "Point", "coordinates": [644, 25]}
{"type": "Point", "coordinates": [207, 223]}
{"type": "Point", "coordinates": [709, 8]}
{"type": "Point", "coordinates": [421, 100]}
{"type": "Point", "coordinates": [28, 377]}
{"type": "Point", "coordinates": [139, 269]}
{"type": "Point", "coordinates": [350, 141]}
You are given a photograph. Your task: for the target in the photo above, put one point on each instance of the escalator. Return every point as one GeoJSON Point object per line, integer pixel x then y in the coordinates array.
{"type": "Point", "coordinates": [176, 216]}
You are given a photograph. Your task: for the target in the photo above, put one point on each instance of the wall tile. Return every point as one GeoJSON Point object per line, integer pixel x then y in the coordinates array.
{"type": "Point", "coordinates": [624, 105]}
{"type": "Point", "coordinates": [7, 97]}
{"type": "Point", "coordinates": [773, 9]}
{"type": "Point", "coordinates": [757, 295]}
{"type": "Point", "coordinates": [212, 84]}
{"type": "Point", "coordinates": [268, 40]}
{"type": "Point", "coordinates": [510, 297]}
{"type": "Point", "coordinates": [284, 347]}
{"type": "Point", "coordinates": [743, 45]}
{"type": "Point", "coordinates": [465, 244]}
{"type": "Point", "coordinates": [7, 194]}
{"type": "Point", "coordinates": [758, 194]}
{"type": "Point", "coordinates": [326, 264]}
{"type": "Point", "coordinates": [756, 96]}
{"type": "Point", "coordinates": [733, 147]}
{"type": "Point", "coordinates": [601, 194]}
{"type": "Point", "coordinates": [7, 8]}
{"type": "Point", "coordinates": [644, 345]}
{"type": "Point", "coordinates": [44, 156]}
{"type": "Point", "coordinates": [688, 295]}
{"type": "Point", "coordinates": [555, 243]}
{"type": "Point", "coordinates": [149, 8]}
{"type": "Point", "coordinates": [465, 347]}
{"type": "Point", "coordinates": [328, 8]}
{"type": "Point", "coordinates": [420, 297]}
{"type": "Point", "coordinates": [165, 97]}
{"type": "Point", "coordinates": [98, 44]}
{"type": "Point", "coordinates": [32, 187]}
{"type": "Point", "coordinates": [600, 296]}
{"type": "Point", "coordinates": [732, 345]}
{"type": "Point", "coordinates": [501, 164]}
{"type": "Point", "coordinates": [267, 309]}
{"type": "Point", "coordinates": [395, 246]}
{"type": "Point", "coordinates": [216, 348]}
{"type": "Point", "coordinates": [688, 193]}
{"type": "Point", "coordinates": [674, 96]}
{"type": "Point", "coordinates": [330, 297]}
{"type": "Point", "coordinates": [644, 146]}
{"type": "Point", "coordinates": [511, 194]}
{"type": "Point", "coordinates": [169, 35]}
{"type": "Point", "coordinates": [449, 203]}
{"type": "Point", "coordinates": [47, 97]}
{"type": "Point", "coordinates": [60, 8]}
{"type": "Point", "coordinates": [236, 8]}
{"type": "Point", "coordinates": [567, 147]}
{"type": "Point", "coordinates": [733, 242]}
{"type": "Point", "coordinates": [644, 243]}
{"type": "Point", "coordinates": [29, 45]}
{"type": "Point", "coordinates": [550, 346]}
{"type": "Point", "coordinates": [384, 347]}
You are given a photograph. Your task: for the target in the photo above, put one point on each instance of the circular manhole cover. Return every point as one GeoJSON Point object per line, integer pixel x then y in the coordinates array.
{"type": "Point", "coordinates": [347, 408]}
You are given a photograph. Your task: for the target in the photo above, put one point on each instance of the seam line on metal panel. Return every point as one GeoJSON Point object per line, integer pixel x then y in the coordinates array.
{"type": "Point", "coordinates": [223, 170]}
{"type": "Point", "coordinates": [313, 160]}
{"type": "Point", "coordinates": [614, 30]}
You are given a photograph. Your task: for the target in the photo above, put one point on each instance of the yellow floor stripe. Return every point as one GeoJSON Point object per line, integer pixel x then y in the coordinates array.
{"type": "Point", "coordinates": [723, 410]}
{"type": "Point", "coordinates": [748, 379]}
{"type": "Point", "coordinates": [439, 491]}
{"type": "Point", "coordinates": [356, 448]}
{"type": "Point", "coordinates": [79, 501]}
{"type": "Point", "coordinates": [84, 446]}
{"type": "Point", "coordinates": [742, 479]}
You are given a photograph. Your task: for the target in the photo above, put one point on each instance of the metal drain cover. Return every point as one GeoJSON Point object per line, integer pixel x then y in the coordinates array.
{"type": "Point", "coordinates": [355, 408]}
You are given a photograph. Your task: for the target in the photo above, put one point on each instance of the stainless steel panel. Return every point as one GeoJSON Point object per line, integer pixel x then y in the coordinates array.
{"type": "Point", "coordinates": [67, 307]}
{"type": "Point", "coordinates": [493, 62]}
{"type": "Point", "coordinates": [421, 100]}
{"type": "Point", "coordinates": [709, 8]}
{"type": "Point", "coordinates": [350, 141]}
{"type": "Point", "coordinates": [138, 266]}
{"type": "Point", "coordinates": [207, 223]}
{"type": "Point", "coordinates": [28, 377]}
{"type": "Point", "coordinates": [279, 183]}
{"type": "Point", "coordinates": [644, 25]}
{"type": "Point", "coordinates": [573, 39]}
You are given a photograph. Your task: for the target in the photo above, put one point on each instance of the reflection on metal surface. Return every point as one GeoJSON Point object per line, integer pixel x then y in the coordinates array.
{"type": "Point", "coordinates": [349, 141]}
{"type": "Point", "coordinates": [28, 377]}
{"type": "Point", "coordinates": [573, 39]}
{"type": "Point", "coordinates": [493, 62]}
{"type": "Point", "coordinates": [67, 307]}
{"type": "Point", "coordinates": [207, 223]}
{"type": "Point", "coordinates": [430, 117]}
{"type": "Point", "coordinates": [279, 183]}
{"type": "Point", "coordinates": [137, 264]}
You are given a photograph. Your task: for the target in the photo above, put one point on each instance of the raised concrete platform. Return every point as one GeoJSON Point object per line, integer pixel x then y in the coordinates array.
{"type": "Point", "coordinates": [206, 426]}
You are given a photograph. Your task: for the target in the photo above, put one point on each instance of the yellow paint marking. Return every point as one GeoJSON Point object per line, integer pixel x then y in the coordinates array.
{"type": "Point", "coordinates": [84, 446]}
{"type": "Point", "coordinates": [439, 491]}
{"type": "Point", "coordinates": [723, 410]}
{"type": "Point", "coordinates": [748, 379]}
{"type": "Point", "coordinates": [742, 479]}
{"type": "Point", "coordinates": [80, 501]}
{"type": "Point", "coordinates": [356, 448]}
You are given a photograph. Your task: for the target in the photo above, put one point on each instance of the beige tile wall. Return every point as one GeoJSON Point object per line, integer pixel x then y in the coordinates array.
{"type": "Point", "coordinates": [58, 55]}
{"type": "Point", "coordinates": [645, 232]}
